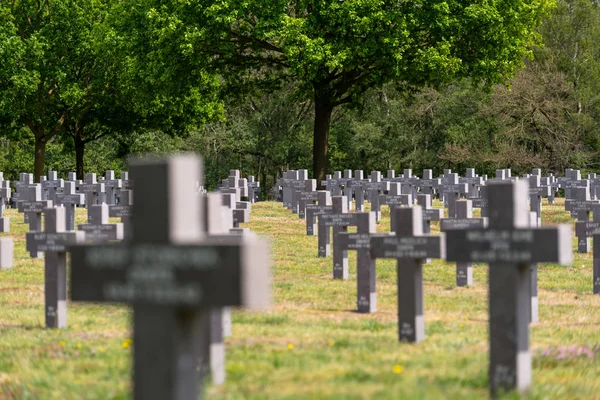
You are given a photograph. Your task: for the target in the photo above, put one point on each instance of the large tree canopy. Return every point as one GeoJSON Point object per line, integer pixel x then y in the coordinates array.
{"type": "Point", "coordinates": [337, 49]}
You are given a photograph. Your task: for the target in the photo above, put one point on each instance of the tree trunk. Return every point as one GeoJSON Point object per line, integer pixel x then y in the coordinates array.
{"type": "Point", "coordinates": [40, 153]}
{"type": "Point", "coordinates": [79, 153]}
{"type": "Point", "coordinates": [323, 110]}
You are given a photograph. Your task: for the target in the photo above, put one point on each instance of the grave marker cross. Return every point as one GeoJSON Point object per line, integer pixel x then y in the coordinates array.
{"type": "Point", "coordinates": [172, 277]}
{"type": "Point", "coordinates": [410, 248]}
{"type": "Point", "coordinates": [53, 242]}
{"type": "Point", "coordinates": [510, 246]}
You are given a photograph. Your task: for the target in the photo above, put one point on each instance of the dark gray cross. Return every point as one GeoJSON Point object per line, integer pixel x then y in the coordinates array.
{"type": "Point", "coordinates": [510, 246]}
{"type": "Point", "coordinates": [411, 248]}
{"type": "Point", "coordinates": [173, 276]}
{"type": "Point", "coordinates": [70, 199]}
{"type": "Point", "coordinates": [464, 220]}
{"type": "Point", "coordinates": [550, 180]}
{"type": "Point", "coordinates": [98, 229]}
{"type": "Point", "coordinates": [481, 202]}
{"type": "Point", "coordinates": [7, 247]}
{"type": "Point", "coordinates": [536, 192]}
{"type": "Point", "coordinates": [572, 185]}
{"type": "Point", "coordinates": [126, 183]}
{"type": "Point", "coordinates": [51, 185]}
{"type": "Point", "coordinates": [395, 199]}
{"type": "Point", "coordinates": [428, 184]}
{"type": "Point", "coordinates": [429, 213]}
{"type": "Point", "coordinates": [340, 219]}
{"type": "Point", "coordinates": [473, 183]}
{"type": "Point", "coordinates": [112, 186]}
{"type": "Point", "coordinates": [314, 210]}
{"type": "Point", "coordinates": [4, 196]}
{"type": "Point", "coordinates": [347, 178]}
{"type": "Point", "coordinates": [501, 174]}
{"type": "Point", "coordinates": [291, 184]}
{"type": "Point", "coordinates": [232, 185]}
{"type": "Point", "coordinates": [357, 189]}
{"type": "Point", "coordinates": [54, 241]}
{"type": "Point", "coordinates": [581, 205]}
{"type": "Point", "coordinates": [594, 185]}
{"type": "Point", "coordinates": [408, 184]}
{"type": "Point", "coordinates": [34, 209]}
{"type": "Point", "coordinates": [584, 229]}
{"type": "Point", "coordinates": [533, 268]}
{"type": "Point", "coordinates": [373, 188]}
{"type": "Point", "coordinates": [331, 183]}
{"type": "Point", "coordinates": [452, 190]}
{"type": "Point", "coordinates": [360, 241]}
{"type": "Point", "coordinates": [123, 209]}
{"type": "Point", "coordinates": [72, 177]}
{"type": "Point", "coordinates": [306, 196]}
{"type": "Point", "coordinates": [23, 189]}
{"type": "Point", "coordinates": [240, 210]}
{"type": "Point", "coordinates": [93, 190]}
{"type": "Point", "coordinates": [253, 189]}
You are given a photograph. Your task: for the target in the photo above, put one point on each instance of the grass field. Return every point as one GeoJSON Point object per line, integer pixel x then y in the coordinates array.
{"type": "Point", "coordinates": [311, 344]}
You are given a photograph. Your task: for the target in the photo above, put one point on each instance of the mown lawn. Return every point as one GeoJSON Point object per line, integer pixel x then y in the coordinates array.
{"type": "Point", "coordinates": [311, 344]}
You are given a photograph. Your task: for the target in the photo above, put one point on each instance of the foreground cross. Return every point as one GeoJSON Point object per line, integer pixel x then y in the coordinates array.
{"type": "Point", "coordinates": [510, 246]}
{"type": "Point", "coordinates": [172, 276]}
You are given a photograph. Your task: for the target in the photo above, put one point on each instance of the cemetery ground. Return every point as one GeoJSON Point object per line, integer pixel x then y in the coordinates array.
{"type": "Point", "coordinates": [311, 343]}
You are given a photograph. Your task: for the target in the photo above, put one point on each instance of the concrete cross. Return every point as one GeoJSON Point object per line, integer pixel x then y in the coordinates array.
{"type": "Point", "coordinates": [98, 229]}
{"type": "Point", "coordinates": [112, 186]}
{"type": "Point", "coordinates": [374, 187]}
{"type": "Point", "coordinates": [452, 189]}
{"type": "Point", "coordinates": [323, 206]}
{"type": "Point", "coordinates": [410, 247]}
{"type": "Point", "coordinates": [173, 276]}
{"type": "Point", "coordinates": [69, 199]}
{"type": "Point", "coordinates": [581, 205]}
{"type": "Point", "coordinates": [509, 245]}
{"type": "Point", "coordinates": [536, 192]}
{"type": "Point", "coordinates": [54, 242]}
{"type": "Point", "coordinates": [463, 221]}
{"type": "Point", "coordinates": [92, 189]}
{"type": "Point", "coordinates": [340, 220]}
{"type": "Point", "coordinates": [429, 213]}
{"type": "Point", "coordinates": [51, 186]}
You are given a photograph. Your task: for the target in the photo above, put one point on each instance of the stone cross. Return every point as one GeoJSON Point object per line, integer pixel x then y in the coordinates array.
{"type": "Point", "coordinates": [534, 222]}
{"type": "Point", "coordinates": [112, 186]}
{"type": "Point", "coordinates": [6, 252]}
{"type": "Point", "coordinates": [509, 245]}
{"type": "Point", "coordinates": [54, 241]}
{"type": "Point", "coordinates": [4, 196]}
{"type": "Point", "coordinates": [126, 183]}
{"type": "Point", "coordinates": [365, 265]}
{"type": "Point", "coordinates": [356, 184]}
{"type": "Point", "coordinates": [464, 220]}
{"type": "Point", "coordinates": [306, 196]}
{"type": "Point", "coordinates": [429, 184]}
{"type": "Point", "coordinates": [452, 190]}
{"type": "Point", "coordinates": [98, 229]}
{"type": "Point", "coordinates": [314, 210]}
{"type": "Point", "coordinates": [253, 189]}
{"type": "Point", "coordinates": [347, 191]}
{"type": "Point", "coordinates": [481, 202]}
{"type": "Point", "coordinates": [536, 192]}
{"type": "Point", "coordinates": [52, 185]}
{"type": "Point", "coordinates": [581, 205]}
{"type": "Point", "coordinates": [472, 181]}
{"type": "Point", "coordinates": [93, 190]}
{"type": "Point", "coordinates": [173, 276]}
{"type": "Point", "coordinates": [394, 199]}
{"type": "Point", "coordinates": [429, 213]}
{"type": "Point", "coordinates": [585, 229]}
{"type": "Point", "coordinates": [123, 209]}
{"type": "Point", "coordinates": [33, 209]}
{"type": "Point", "coordinates": [293, 183]}
{"type": "Point", "coordinates": [411, 248]}
{"type": "Point", "coordinates": [69, 199]}
{"type": "Point", "coordinates": [373, 188]}
{"type": "Point", "coordinates": [340, 220]}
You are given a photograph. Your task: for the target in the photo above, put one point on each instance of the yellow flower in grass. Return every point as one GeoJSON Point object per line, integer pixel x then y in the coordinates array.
{"type": "Point", "coordinates": [290, 346]}
{"type": "Point", "coordinates": [79, 345]}
{"type": "Point", "coordinates": [126, 344]}
{"type": "Point", "coordinates": [102, 350]}
{"type": "Point", "coordinates": [461, 325]}
{"type": "Point", "coordinates": [398, 369]}
{"type": "Point", "coordinates": [331, 343]}
{"type": "Point", "coordinates": [62, 343]}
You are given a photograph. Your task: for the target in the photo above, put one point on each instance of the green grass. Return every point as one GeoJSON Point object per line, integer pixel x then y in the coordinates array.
{"type": "Point", "coordinates": [311, 344]}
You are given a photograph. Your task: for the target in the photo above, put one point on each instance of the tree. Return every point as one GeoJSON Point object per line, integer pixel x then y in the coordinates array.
{"type": "Point", "coordinates": [69, 73]}
{"type": "Point", "coordinates": [337, 49]}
